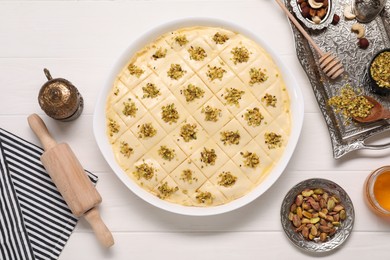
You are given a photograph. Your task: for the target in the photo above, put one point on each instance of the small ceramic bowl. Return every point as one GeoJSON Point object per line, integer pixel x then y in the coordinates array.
{"type": "Point", "coordinates": [374, 87]}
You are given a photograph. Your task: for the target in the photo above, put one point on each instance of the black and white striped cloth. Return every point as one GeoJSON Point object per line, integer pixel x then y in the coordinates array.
{"type": "Point", "coordinates": [35, 222]}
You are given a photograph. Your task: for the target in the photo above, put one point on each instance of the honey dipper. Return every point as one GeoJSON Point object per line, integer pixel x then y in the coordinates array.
{"type": "Point", "coordinates": [71, 180]}
{"type": "Point", "coordinates": [329, 64]}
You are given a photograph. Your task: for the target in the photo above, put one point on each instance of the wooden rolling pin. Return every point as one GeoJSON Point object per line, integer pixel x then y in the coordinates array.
{"type": "Point", "coordinates": [71, 180]}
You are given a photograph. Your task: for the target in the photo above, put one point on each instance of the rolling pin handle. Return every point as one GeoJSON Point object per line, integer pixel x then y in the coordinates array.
{"type": "Point", "coordinates": [101, 231]}
{"type": "Point", "coordinates": [38, 126]}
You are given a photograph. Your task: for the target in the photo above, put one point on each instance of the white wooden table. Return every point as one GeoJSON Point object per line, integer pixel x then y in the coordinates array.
{"type": "Point", "coordinates": [80, 41]}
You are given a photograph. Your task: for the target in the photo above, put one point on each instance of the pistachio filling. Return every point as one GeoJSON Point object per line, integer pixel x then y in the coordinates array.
{"type": "Point", "coordinates": [219, 38]}
{"type": "Point", "coordinates": [150, 91]}
{"type": "Point", "coordinates": [187, 176]}
{"type": "Point", "coordinates": [215, 73]}
{"type": "Point", "coordinates": [135, 71]}
{"type": "Point", "coordinates": [129, 108]}
{"type": "Point", "coordinates": [273, 140]}
{"type": "Point", "coordinates": [211, 113]}
{"type": "Point", "coordinates": [160, 53]}
{"type": "Point", "coordinates": [192, 92]}
{"type": "Point", "coordinates": [253, 116]}
{"type": "Point", "coordinates": [204, 197]}
{"type": "Point", "coordinates": [126, 150]}
{"type": "Point", "coordinates": [208, 156]}
{"type": "Point", "coordinates": [166, 153]}
{"type": "Point", "coordinates": [113, 127]}
{"type": "Point", "coordinates": [251, 160]}
{"type": "Point", "coordinates": [197, 53]}
{"type": "Point", "coordinates": [240, 55]}
{"type": "Point", "coordinates": [146, 131]}
{"type": "Point", "coordinates": [169, 113]}
{"type": "Point", "coordinates": [269, 100]}
{"type": "Point", "coordinates": [233, 96]}
{"type": "Point", "coordinates": [226, 179]}
{"type": "Point", "coordinates": [181, 40]}
{"type": "Point", "coordinates": [257, 76]}
{"type": "Point", "coordinates": [176, 72]}
{"type": "Point", "coordinates": [230, 137]}
{"type": "Point", "coordinates": [166, 191]}
{"type": "Point", "coordinates": [145, 171]}
{"type": "Point", "coordinates": [188, 132]}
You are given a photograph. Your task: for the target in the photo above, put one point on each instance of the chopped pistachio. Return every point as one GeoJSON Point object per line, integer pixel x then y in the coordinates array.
{"type": "Point", "coordinates": [116, 92]}
{"type": "Point", "coordinates": [145, 171]}
{"type": "Point", "coordinates": [192, 92]}
{"type": "Point", "coordinates": [269, 100]}
{"type": "Point", "coordinates": [146, 130]}
{"type": "Point", "coordinates": [251, 160]}
{"type": "Point", "coordinates": [257, 76]}
{"type": "Point", "coordinates": [204, 197]}
{"type": "Point", "coordinates": [273, 140]}
{"type": "Point", "coordinates": [227, 179]}
{"type": "Point", "coordinates": [350, 104]}
{"type": "Point", "coordinates": [240, 55]}
{"type": "Point", "coordinates": [129, 108]}
{"type": "Point", "coordinates": [135, 71]}
{"type": "Point", "coordinates": [166, 191]}
{"type": "Point", "coordinates": [380, 69]}
{"type": "Point", "coordinates": [188, 132]}
{"type": "Point", "coordinates": [181, 39]}
{"type": "Point", "coordinates": [160, 53]}
{"type": "Point", "coordinates": [166, 153]}
{"type": "Point", "coordinates": [230, 137]}
{"type": "Point", "coordinates": [233, 96]}
{"type": "Point", "coordinates": [211, 113]}
{"type": "Point", "coordinates": [187, 176]}
{"type": "Point", "coordinates": [208, 156]}
{"type": "Point", "coordinates": [150, 91]}
{"type": "Point", "coordinates": [113, 127]}
{"type": "Point", "coordinates": [197, 53]}
{"type": "Point", "coordinates": [215, 73]}
{"type": "Point", "coordinates": [126, 150]}
{"type": "Point", "coordinates": [169, 113]}
{"type": "Point", "coordinates": [253, 116]}
{"type": "Point", "coordinates": [176, 72]}
{"type": "Point", "coordinates": [219, 38]}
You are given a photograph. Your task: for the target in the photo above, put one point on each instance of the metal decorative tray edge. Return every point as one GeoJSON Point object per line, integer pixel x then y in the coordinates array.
{"type": "Point", "coordinates": [340, 41]}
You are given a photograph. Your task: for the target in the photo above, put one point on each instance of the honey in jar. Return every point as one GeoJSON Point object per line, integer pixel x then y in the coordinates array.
{"type": "Point", "coordinates": [377, 191]}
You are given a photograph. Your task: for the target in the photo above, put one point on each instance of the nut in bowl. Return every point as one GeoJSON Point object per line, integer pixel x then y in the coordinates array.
{"type": "Point", "coordinates": [317, 215]}
{"type": "Point", "coordinates": [379, 73]}
{"type": "Point", "coordinates": [314, 14]}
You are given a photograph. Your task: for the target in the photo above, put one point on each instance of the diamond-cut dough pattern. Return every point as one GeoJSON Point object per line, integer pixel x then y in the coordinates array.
{"type": "Point", "coordinates": [205, 178]}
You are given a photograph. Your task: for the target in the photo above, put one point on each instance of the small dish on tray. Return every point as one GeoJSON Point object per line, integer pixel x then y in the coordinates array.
{"type": "Point", "coordinates": [309, 15]}
{"type": "Point", "coordinates": [100, 123]}
{"type": "Point", "coordinates": [379, 66]}
{"type": "Point", "coordinates": [343, 228]}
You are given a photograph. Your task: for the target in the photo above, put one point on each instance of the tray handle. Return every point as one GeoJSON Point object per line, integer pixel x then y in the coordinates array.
{"type": "Point", "coordinates": [375, 146]}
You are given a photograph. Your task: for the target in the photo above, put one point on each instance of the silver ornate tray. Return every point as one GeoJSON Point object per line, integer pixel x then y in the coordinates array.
{"type": "Point", "coordinates": [342, 42]}
{"type": "Point", "coordinates": [343, 232]}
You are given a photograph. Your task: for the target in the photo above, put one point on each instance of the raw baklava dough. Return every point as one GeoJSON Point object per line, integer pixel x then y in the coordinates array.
{"type": "Point", "coordinates": [199, 117]}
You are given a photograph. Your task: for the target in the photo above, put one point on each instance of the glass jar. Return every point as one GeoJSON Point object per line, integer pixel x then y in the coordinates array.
{"type": "Point", "coordinates": [377, 191]}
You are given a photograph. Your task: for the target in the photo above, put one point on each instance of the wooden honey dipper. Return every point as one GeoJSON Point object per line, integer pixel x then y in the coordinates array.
{"type": "Point", "coordinates": [329, 64]}
{"type": "Point", "coordinates": [71, 180]}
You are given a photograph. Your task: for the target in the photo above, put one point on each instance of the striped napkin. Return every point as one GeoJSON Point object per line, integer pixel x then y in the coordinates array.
{"type": "Point", "coordinates": [35, 222]}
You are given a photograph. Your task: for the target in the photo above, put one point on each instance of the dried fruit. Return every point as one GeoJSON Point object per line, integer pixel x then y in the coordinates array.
{"type": "Point", "coordinates": [336, 19]}
{"type": "Point", "coordinates": [363, 43]}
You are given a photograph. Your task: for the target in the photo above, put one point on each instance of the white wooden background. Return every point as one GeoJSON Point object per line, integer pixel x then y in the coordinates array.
{"type": "Point", "coordinates": [80, 41]}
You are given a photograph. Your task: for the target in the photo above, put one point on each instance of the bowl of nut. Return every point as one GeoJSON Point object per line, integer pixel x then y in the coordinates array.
{"type": "Point", "coordinates": [314, 14]}
{"type": "Point", "coordinates": [379, 73]}
{"type": "Point", "coordinates": [317, 215]}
